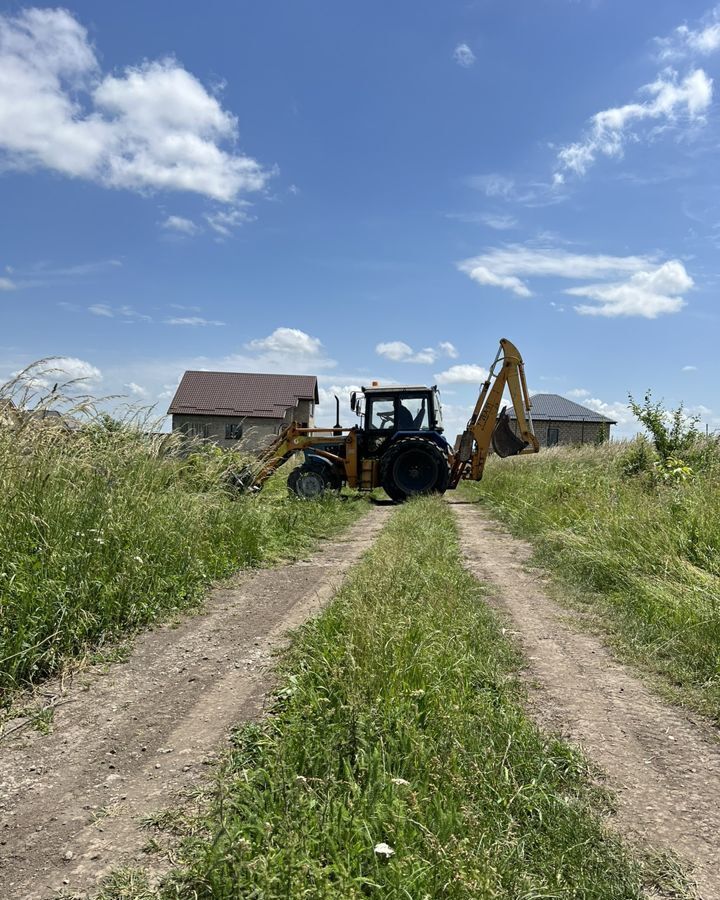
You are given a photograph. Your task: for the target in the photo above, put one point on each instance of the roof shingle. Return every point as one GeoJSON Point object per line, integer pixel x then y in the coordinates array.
{"type": "Point", "coordinates": [553, 407]}
{"type": "Point", "coordinates": [241, 394]}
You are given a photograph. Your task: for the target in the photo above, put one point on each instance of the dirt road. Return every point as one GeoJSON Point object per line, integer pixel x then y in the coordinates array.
{"type": "Point", "coordinates": [128, 741]}
{"type": "Point", "coordinates": [662, 763]}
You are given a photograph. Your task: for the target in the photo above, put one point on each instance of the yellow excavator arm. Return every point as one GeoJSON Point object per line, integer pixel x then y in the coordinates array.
{"type": "Point", "coordinates": [488, 425]}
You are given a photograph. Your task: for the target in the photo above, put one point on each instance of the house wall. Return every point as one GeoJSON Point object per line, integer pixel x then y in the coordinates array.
{"type": "Point", "coordinates": [257, 432]}
{"type": "Point", "coordinates": [303, 413]}
{"type": "Point", "coordinates": [570, 432]}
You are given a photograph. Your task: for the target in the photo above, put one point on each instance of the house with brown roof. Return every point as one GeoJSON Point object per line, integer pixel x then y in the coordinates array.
{"type": "Point", "coordinates": [241, 408]}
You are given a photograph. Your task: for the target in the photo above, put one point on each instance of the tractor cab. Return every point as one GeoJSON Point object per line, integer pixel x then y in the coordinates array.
{"type": "Point", "coordinates": [393, 413]}
{"type": "Point", "coordinates": [391, 409]}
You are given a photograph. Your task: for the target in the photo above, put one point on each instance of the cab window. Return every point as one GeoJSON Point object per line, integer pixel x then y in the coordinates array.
{"type": "Point", "coordinates": [382, 414]}
{"type": "Point", "coordinates": [413, 414]}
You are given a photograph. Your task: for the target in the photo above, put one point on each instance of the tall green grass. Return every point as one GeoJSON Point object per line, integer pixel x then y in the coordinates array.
{"type": "Point", "coordinates": [103, 529]}
{"type": "Point", "coordinates": [399, 723]}
{"type": "Point", "coordinates": [639, 541]}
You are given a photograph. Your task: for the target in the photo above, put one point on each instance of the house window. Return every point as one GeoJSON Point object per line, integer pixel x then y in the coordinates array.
{"type": "Point", "coordinates": [553, 437]}
{"type": "Point", "coordinates": [233, 431]}
{"type": "Point", "coordinates": [196, 429]}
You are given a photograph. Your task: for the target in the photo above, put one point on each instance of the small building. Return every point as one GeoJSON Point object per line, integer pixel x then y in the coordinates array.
{"type": "Point", "coordinates": [234, 408]}
{"type": "Point", "coordinates": [559, 421]}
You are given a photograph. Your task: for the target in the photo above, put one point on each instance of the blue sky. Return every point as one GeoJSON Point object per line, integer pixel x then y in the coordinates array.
{"type": "Point", "coordinates": [364, 191]}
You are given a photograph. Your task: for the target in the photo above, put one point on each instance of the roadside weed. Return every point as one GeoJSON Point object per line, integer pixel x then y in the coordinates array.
{"type": "Point", "coordinates": [637, 541]}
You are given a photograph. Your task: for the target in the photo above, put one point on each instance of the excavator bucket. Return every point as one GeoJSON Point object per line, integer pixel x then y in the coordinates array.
{"type": "Point", "coordinates": [504, 441]}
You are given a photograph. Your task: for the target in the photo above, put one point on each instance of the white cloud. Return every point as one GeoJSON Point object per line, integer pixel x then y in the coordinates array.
{"type": "Point", "coordinates": [192, 321]}
{"type": "Point", "coordinates": [223, 221]}
{"type": "Point", "coordinates": [101, 309]}
{"type": "Point", "coordinates": [463, 56]}
{"type": "Point", "coordinates": [463, 373]}
{"type": "Point", "coordinates": [492, 184]}
{"type": "Point", "coordinates": [288, 340]}
{"type": "Point", "coordinates": [137, 390]}
{"type": "Point", "coordinates": [483, 275]}
{"type": "Point", "coordinates": [670, 100]}
{"type": "Point", "coordinates": [498, 221]}
{"type": "Point", "coordinates": [74, 369]}
{"type": "Point", "coordinates": [127, 313]}
{"type": "Point", "coordinates": [618, 411]}
{"type": "Point", "coordinates": [153, 126]}
{"type": "Point", "coordinates": [578, 393]}
{"type": "Point", "coordinates": [180, 224]}
{"type": "Point", "coordinates": [399, 351]}
{"type": "Point", "coordinates": [448, 349]}
{"type": "Point", "coordinates": [645, 287]}
{"type": "Point", "coordinates": [648, 293]}
{"type": "Point", "coordinates": [689, 368]}
{"type": "Point", "coordinates": [325, 410]}
{"type": "Point", "coordinates": [687, 42]}
{"type": "Point", "coordinates": [7, 284]}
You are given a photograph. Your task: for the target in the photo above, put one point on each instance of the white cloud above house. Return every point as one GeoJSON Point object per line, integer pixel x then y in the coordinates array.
{"type": "Point", "coordinates": [620, 285]}
{"type": "Point", "coordinates": [288, 340]}
{"type": "Point", "coordinates": [70, 368]}
{"type": "Point", "coordinates": [399, 351]}
{"type": "Point", "coordinates": [152, 126]}
{"type": "Point", "coordinates": [464, 56]}
{"type": "Point", "coordinates": [671, 101]}
{"type": "Point", "coordinates": [7, 284]}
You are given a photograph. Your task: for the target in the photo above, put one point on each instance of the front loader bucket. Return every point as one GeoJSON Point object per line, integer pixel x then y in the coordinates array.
{"type": "Point", "coordinates": [242, 480]}
{"type": "Point", "coordinates": [504, 441]}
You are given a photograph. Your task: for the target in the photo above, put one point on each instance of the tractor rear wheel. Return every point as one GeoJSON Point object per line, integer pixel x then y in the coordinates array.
{"type": "Point", "coordinates": [414, 466]}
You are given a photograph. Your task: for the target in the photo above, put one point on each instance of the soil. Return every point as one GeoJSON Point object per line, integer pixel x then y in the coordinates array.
{"type": "Point", "coordinates": [662, 763]}
{"type": "Point", "coordinates": [128, 740]}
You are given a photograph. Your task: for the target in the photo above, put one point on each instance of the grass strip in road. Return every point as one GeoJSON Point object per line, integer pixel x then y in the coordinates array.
{"type": "Point", "coordinates": [642, 554]}
{"type": "Point", "coordinates": [398, 762]}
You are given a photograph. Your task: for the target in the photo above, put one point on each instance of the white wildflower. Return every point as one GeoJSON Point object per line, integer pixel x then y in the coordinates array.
{"type": "Point", "coordinates": [400, 782]}
{"type": "Point", "coordinates": [384, 850]}
{"type": "Point", "coordinates": [138, 559]}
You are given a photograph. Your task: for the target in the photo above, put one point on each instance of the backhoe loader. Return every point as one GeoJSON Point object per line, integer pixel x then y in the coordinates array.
{"type": "Point", "coordinates": [399, 444]}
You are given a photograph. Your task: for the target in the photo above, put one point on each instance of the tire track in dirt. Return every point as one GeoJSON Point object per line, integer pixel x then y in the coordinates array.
{"type": "Point", "coordinates": [662, 763]}
{"type": "Point", "coordinates": [126, 743]}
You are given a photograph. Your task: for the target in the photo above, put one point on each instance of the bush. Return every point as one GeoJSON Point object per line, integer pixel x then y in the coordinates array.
{"type": "Point", "coordinates": [638, 459]}
{"type": "Point", "coordinates": [673, 432]}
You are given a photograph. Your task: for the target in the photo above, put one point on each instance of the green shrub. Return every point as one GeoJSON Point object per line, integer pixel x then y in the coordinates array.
{"type": "Point", "coordinates": [673, 433]}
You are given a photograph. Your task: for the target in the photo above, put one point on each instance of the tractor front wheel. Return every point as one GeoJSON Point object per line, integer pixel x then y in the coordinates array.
{"type": "Point", "coordinates": [307, 483]}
